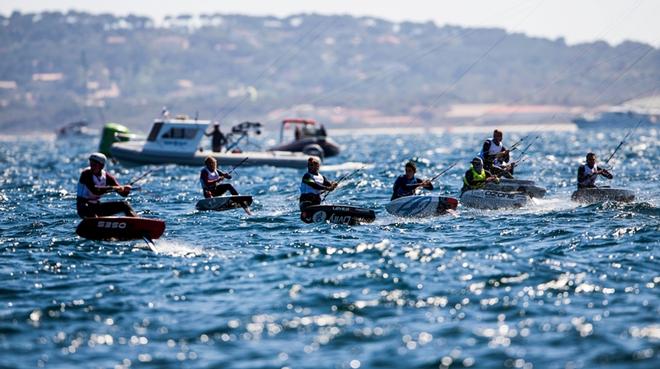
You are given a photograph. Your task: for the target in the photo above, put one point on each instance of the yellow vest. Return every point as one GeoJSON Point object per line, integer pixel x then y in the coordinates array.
{"type": "Point", "coordinates": [479, 177]}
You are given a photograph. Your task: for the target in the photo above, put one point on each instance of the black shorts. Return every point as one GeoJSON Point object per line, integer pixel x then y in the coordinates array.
{"type": "Point", "coordinates": [220, 189]}
{"type": "Point", "coordinates": [88, 209]}
{"type": "Point", "coordinates": [309, 199]}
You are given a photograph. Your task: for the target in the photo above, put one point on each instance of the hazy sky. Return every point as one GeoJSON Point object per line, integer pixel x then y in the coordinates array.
{"type": "Point", "coordinates": [575, 20]}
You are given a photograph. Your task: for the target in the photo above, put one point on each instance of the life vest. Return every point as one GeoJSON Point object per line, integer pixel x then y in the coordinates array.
{"type": "Point", "coordinates": [85, 193]}
{"type": "Point", "coordinates": [493, 150]}
{"type": "Point", "coordinates": [211, 176]}
{"type": "Point", "coordinates": [305, 188]}
{"type": "Point", "coordinates": [589, 179]}
{"type": "Point", "coordinates": [478, 177]}
{"type": "Point", "coordinates": [406, 190]}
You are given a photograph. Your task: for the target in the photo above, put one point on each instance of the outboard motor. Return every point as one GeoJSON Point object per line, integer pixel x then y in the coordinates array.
{"type": "Point", "coordinates": [112, 132]}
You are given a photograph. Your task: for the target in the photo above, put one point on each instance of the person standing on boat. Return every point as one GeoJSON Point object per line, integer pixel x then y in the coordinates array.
{"type": "Point", "coordinates": [95, 182]}
{"type": "Point", "coordinates": [476, 177]}
{"type": "Point", "coordinates": [406, 184]}
{"type": "Point", "coordinates": [496, 157]}
{"type": "Point", "coordinates": [210, 178]}
{"type": "Point", "coordinates": [313, 185]}
{"type": "Point", "coordinates": [587, 173]}
{"type": "Point", "coordinates": [218, 139]}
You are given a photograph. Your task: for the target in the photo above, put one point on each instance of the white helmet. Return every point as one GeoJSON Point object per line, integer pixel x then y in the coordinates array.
{"type": "Point", "coordinates": [98, 157]}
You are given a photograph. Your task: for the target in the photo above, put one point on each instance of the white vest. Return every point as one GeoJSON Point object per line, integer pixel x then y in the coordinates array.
{"type": "Point", "coordinates": [85, 193]}
{"type": "Point", "coordinates": [494, 149]}
{"type": "Point", "coordinates": [212, 176]}
{"type": "Point", "coordinates": [590, 179]}
{"type": "Point", "coordinates": [305, 188]}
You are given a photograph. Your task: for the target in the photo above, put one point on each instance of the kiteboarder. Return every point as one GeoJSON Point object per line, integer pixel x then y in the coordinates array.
{"type": "Point", "coordinates": [95, 182]}
{"type": "Point", "coordinates": [496, 157]}
{"type": "Point", "coordinates": [587, 173]}
{"type": "Point", "coordinates": [313, 185]}
{"type": "Point", "coordinates": [218, 139]}
{"type": "Point", "coordinates": [406, 184]}
{"type": "Point", "coordinates": [476, 177]}
{"type": "Point", "coordinates": [210, 178]}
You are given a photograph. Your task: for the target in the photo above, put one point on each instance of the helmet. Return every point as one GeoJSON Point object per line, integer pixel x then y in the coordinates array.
{"type": "Point", "coordinates": [477, 160]}
{"type": "Point", "coordinates": [98, 157]}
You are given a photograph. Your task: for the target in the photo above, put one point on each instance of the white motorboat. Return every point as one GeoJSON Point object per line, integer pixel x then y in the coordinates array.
{"type": "Point", "coordinates": [490, 199]}
{"type": "Point", "coordinates": [177, 141]}
{"type": "Point", "coordinates": [77, 129]}
{"type": "Point", "coordinates": [601, 194]}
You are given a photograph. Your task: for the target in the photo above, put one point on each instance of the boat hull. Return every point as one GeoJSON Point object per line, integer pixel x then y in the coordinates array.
{"type": "Point", "coordinates": [601, 194]}
{"type": "Point", "coordinates": [222, 203]}
{"type": "Point", "coordinates": [339, 214]}
{"type": "Point", "coordinates": [330, 147]}
{"type": "Point", "coordinates": [489, 199]}
{"type": "Point", "coordinates": [132, 154]}
{"type": "Point", "coordinates": [120, 228]}
{"type": "Point", "coordinates": [421, 206]}
{"type": "Point", "coordinates": [617, 120]}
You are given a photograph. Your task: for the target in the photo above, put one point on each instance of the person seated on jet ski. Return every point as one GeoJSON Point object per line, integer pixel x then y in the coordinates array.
{"type": "Point", "coordinates": [588, 173]}
{"type": "Point", "coordinates": [95, 182]}
{"type": "Point", "coordinates": [313, 185]}
{"type": "Point", "coordinates": [210, 178]}
{"type": "Point", "coordinates": [496, 157]}
{"type": "Point", "coordinates": [406, 184]}
{"type": "Point", "coordinates": [218, 139]}
{"type": "Point", "coordinates": [476, 177]}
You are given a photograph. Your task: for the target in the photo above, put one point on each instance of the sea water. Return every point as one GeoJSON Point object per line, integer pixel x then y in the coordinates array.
{"type": "Point", "coordinates": [553, 285]}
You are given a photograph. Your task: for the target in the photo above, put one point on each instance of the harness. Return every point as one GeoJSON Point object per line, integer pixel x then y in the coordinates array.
{"type": "Point", "coordinates": [305, 188]}
{"type": "Point", "coordinates": [212, 176]}
{"type": "Point", "coordinates": [84, 192]}
{"type": "Point", "coordinates": [589, 178]}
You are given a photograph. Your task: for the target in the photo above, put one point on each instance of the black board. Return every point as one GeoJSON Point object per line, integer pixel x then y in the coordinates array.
{"type": "Point", "coordinates": [340, 214]}
{"type": "Point", "coordinates": [220, 203]}
{"type": "Point", "coordinates": [601, 194]}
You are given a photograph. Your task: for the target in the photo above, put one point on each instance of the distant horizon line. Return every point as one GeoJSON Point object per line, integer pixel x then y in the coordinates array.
{"type": "Point", "coordinates": [160, 20]}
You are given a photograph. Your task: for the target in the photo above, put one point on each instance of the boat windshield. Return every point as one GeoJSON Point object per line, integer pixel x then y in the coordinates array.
{"type": "Point", "coordinates": [154, 131]}
{"type": "Point", "coordinates": [185, 133]}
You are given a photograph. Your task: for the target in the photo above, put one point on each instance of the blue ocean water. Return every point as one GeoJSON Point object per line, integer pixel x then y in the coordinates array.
{"type": "Point", "coordinates": [554, 285]}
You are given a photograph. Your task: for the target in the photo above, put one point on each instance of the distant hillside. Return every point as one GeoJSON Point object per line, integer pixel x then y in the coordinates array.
{"type": "Point", "coordinates": [55, 68]}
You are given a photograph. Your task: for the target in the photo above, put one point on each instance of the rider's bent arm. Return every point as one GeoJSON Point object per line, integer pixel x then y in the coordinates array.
{"type": "Point", "coordinates": [111, 181]}
{"type": "Point", "coordinates": [428, 186]}
{"type": "Point", "coordinates": [307, 179]}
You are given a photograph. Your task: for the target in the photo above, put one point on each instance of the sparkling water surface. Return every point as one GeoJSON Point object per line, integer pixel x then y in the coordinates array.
{"type": "Point", "coordinates": [553, 285]}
